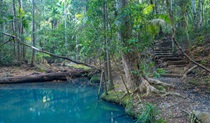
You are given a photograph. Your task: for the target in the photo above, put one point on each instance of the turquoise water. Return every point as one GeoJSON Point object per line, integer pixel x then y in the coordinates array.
{"type": "Point", "coordinates": [55, 102]}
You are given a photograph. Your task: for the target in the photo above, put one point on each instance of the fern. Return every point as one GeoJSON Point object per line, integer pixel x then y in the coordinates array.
{"type": "Point", "coordinates": [149, 115]}
{"type": "Point", "coordinates": [194, 119]}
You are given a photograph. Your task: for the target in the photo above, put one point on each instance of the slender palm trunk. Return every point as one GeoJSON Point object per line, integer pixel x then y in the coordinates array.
{"type": "Point", "coordinates": [77, 49]}
{"type": "Point", "coordinates": [65, 24]}
{"type": "Point", "coordinates": [109, 69]}
{"type": "Point", "coordinates": [15, 30]}
{"type": "Point", "coordinates": [199, 22]}
{"type": "Point", "coordinates": [33, 34]}
{"type": "Point", "coordinates": [21, 31]}
{"type": "Point", "coordinates": [194, 14]}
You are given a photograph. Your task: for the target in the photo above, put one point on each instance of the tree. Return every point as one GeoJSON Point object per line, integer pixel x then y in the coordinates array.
{"type": "Point", "coordinates": [15, 30]}
{"type": "Point", "coordinates": [194, 14]}
{"type": "Point", "coordinates": [21, 29]}
{"type": "Point", "coordinates": [107, 64]}
{"type": "Point", "coordinates": [129, 57]}
{"type": "Point", "coordinates": [33, 34]}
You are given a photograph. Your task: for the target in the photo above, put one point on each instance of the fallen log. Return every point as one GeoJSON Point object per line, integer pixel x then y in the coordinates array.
{"type": "Point", "coordinates": [45, 77]}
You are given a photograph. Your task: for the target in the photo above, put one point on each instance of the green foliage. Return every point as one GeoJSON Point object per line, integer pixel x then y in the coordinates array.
{"type": "Point", "coordinates": [193, 118]}
{"type": "Point", "coordinates": [204, 62]}
{"type": "Point", "coordinates": [199, 40]}
{"type": "Point", "coordinates": [95, 78]}
{"type": "Point", "coordinates": [127, 101]}
{"type": "Point", "coordinates": [158, 72]}
{"type": "Point", "coordinates": [41, 56]}
{"type": "Point", "coordinates": [149, 9]}
{"type": "Point", "coordinates": [7, 58]}
{"type": "Point", "coordinates": [149, 115]}
{"type": "Point", "coordinates": [112, 96]}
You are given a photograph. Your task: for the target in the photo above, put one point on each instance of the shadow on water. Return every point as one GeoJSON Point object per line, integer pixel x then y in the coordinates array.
{"type": "Point", "coordinates": [60, 102]}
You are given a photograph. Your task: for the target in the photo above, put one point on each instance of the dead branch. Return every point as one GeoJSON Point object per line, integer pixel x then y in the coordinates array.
{"type": "Point", "coordinates": [189, 70]}
{"type": "Point", "coordinates": [51, 54]}
{"type": "Point", "coordinates": [172, 93]}
{"type": "Point", "coordinates": [6, 42]}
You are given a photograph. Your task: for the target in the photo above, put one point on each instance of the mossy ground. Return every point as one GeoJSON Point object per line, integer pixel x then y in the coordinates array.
{"type": "Point", "coordinates": [78, 66]}
{"type": "Point", "coordinates": [130, 106]}
{"type": "Point", "coordinates": [127, 101]}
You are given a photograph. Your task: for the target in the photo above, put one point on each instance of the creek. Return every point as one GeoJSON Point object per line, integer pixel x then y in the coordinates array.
{"type": "Point", "coordinates": [57, 102]}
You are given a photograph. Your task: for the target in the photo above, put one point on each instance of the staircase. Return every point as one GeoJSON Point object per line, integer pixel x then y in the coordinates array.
{"type": "Point", "coordinates": [164, 57]}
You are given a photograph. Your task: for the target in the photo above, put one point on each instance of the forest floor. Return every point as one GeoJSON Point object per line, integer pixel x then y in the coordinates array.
{"type": "Point", "coordinates": [176, 109]}
{"type": "Point", "coordinates": [14, 71]}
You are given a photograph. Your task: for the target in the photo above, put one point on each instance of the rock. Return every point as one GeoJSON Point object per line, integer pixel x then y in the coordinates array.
{"type": "Point", "coordinates": [203, 116]}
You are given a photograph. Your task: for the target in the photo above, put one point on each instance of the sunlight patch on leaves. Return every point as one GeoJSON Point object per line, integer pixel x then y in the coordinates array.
{"type": "Point", "coordinates": [148, 9]}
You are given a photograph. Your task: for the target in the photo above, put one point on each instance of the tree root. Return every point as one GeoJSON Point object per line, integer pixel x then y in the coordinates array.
{"type": "Point", "coordinates": [150, 89]}
{"type": "Point", "coordinates": [147, 88]}
{"type": "Point", "coordinates": [172, 93]}
{"type": "Point", "coordinates": [158, 82]}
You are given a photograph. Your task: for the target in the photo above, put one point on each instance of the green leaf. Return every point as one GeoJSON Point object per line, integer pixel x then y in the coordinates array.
{"type": "Point", "coordinates": [164, 17]}
{"type": "Point", "coordinates": [21, 12]}
{"type": "Point", "coordinates": [79, 16]}
{"type": "Point", "coordinates": [28, 38]}
{"type": "Point", "coordinates": [148, 9]}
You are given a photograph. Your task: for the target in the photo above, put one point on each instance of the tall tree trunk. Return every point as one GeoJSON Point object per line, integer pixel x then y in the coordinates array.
{"type": "Point", "coordinates": [65, 24]}
{"type": "Point", "coordinates": [1, 27]}
{"type": "Point", "coordinates": [77, 49]}
{"type": "Point", "coordinates": [194, 14]}
{"type": "Point", "coordinates": [33, 34]}
{"type": "Point", "coordinates": [129, 58]}
{"type": "Point", "coordinates": [199, 21]}
{"type": "Point", "coordinates": [21, 31]}
{"type": "Point", "coordinates": [15, 30]}
{"type": "Point", "coordinates": [107, 65]}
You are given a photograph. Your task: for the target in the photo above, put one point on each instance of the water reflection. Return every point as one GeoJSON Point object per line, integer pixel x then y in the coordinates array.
{"type": "Point", "coordinates": [56, 103]}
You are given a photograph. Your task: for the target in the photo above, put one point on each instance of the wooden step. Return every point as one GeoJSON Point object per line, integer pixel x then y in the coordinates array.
{"type": "Point", "coordinates": [184, 65]}
{"type": "Point", "coordinates": [178, 62]}
{"type": "Point", "coordinates": [162, 42]}
{"type": "Point", "coordinates": [172, 58]}
{"type": "Point", "coordinates": [172, 75]}
{"type": "Point", "coordinates": [163, 55]}
{"type": "Point", "coordinates": [162, 49]}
